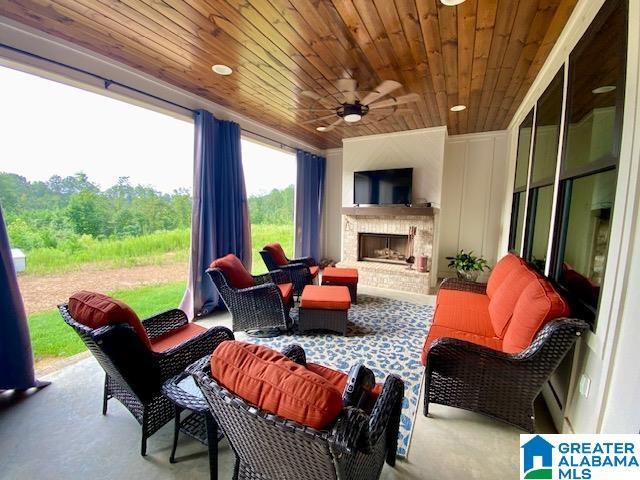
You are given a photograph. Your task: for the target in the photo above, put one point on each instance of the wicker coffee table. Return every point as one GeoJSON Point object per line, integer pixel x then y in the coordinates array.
{"type": "Point", "coordinates": [199, 423]}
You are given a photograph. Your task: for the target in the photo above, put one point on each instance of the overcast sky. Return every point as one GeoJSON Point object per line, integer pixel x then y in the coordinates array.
{"type": "Point", "coordinates": [48, 128]}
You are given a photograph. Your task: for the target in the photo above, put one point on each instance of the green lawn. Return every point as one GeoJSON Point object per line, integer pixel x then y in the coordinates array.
{"type": "Point", "coordinates": [51, 337]}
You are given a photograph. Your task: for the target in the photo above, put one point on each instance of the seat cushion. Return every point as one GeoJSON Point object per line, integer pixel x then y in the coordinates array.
{"type": "Point", "coordinates": [176, 337]}
{"type": "Point", "coordinates": [277, 253]}
{"type": "Point", "coordinates": [314, 271]}
{"type": "Point", "coordinates": [459, 297]}
{"type": "Point", "coordinates": [439, 331]}
{"type": "Point", "coordinates": [96, 310]}
{"type": "Point", "coordinates": [325, 297]}
{"type": "Point", "coordinates": [538, 304]}
{"type": "Point", "coordinates": [500, 271]}
{"type": "Point", "coordinates": [286, 290]}
{"type": "Point", "coordinates": [466, 317]}
{"type": "Point", "coordinates": [340, 276]}
{"type": "Point", "coordinates": [505, 297]}
{"type": "Point", "coordinates": [234, 271]}
{"type": "Point", "coordinates": [274, 383]}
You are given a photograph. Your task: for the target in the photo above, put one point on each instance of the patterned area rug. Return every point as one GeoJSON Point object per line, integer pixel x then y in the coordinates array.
{"type": "Point", "coordinates": [386, 335]}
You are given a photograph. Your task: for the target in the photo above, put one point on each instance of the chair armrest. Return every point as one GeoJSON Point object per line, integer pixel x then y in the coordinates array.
{"type": "Point", "coordinates": [385, 415]}
{"type": "Point", "coordinates": [350, 430]}
{"type": "Point", "coordinates": [179, 357]}
{"type": "Point", "coordinates": [463, 285]}
{"type": "Point", "coordinates": [309, 261]}
{"type": "Point", "coordinates": [274, 276]}
{"type": "Point", "coordinates": [165, 322]}
{"type": "Point", "coordinates": [295, 353]}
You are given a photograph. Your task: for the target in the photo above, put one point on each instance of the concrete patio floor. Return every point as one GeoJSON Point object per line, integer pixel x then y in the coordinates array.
{"type": "Point", "coordinates": [59, 433]}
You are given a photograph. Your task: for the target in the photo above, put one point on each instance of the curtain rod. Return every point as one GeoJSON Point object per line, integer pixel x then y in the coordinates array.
{"type": "Point", "coordinates": [108, 82]}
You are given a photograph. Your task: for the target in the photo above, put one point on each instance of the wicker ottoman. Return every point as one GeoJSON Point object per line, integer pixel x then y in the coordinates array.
{"type": "Point", "coordinates": [347, 277]}
{"type": "Point", "coordinates": [324, 307]}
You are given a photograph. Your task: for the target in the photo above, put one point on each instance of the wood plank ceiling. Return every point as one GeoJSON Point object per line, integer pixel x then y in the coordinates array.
{"type": "Point", "coordinates": [482, 53]}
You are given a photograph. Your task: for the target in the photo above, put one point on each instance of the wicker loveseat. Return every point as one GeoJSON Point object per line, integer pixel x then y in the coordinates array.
{"type": "Point", "coordinates": [353, 445]}
{"type": "Point", "coordinates": [259, 304]}
{"type": "Point", "coordinates": [491, 348]}
{"type": "Point", "coordinates": [302, 271]}
{"type": "Point", "coordinates": [137, 357]}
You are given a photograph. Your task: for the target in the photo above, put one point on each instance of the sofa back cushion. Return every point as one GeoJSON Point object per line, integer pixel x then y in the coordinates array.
{"type": "Point", "coordinates": [277, 253]}
{"type": "Point", "coordinates": [96, 310]}
{"type": "Point", "coordinates": [276, 384]}
{"type": "Point", "coordinates": [500, 272]}
{"type": "Point", "coordinates": [234, 271]}
{"type": "Point", "coordinates": [538, 304]}
{"type": "Point", "coordinates": [504, 299]}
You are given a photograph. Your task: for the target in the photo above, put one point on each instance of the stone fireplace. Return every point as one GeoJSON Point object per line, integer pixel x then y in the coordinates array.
{"type": "Point", "coordinates": [374, 240]}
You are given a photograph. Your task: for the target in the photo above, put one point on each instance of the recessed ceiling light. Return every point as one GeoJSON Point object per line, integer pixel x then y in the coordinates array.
{"type": "Point", "coordinates": [458, 108]}
{"type": "Point", "coordinates": [604, 89]}
{"type": "Point", "coordinates": [321, 129]}
{"type": "Point", "coordinates": [352, 117]}
{"type": "Point", "coordinates": [451, 3]}
{"type": "Point", "coordinates": [222, 69]}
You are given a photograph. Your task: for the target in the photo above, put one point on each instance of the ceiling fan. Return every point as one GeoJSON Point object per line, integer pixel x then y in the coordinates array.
{"type": "Point", "coordinates": [358, 104]}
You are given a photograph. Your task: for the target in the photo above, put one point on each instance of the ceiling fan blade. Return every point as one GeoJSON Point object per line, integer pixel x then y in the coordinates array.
{"type": "Point", "coordinates": [385, 88]}
{"type": "Point", "coordinates": [392, 102]}
{"type": "Point", "coordinates": [347, 87]}
{"type": "Point", "coordinates": [327, 109]}
{"type": "Point", "coordinates": [313, 120]}
{"type": "Point", "coordinates": [333, 125]}
{"type": "Point", "coordinates": [311, 95]}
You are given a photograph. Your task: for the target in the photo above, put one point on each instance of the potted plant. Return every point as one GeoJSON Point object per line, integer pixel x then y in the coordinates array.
{"type": "Point", "coordinates": [467, 265]}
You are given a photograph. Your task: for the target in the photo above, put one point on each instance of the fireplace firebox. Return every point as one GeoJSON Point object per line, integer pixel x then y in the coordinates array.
{"type": "Point", "coordinates": [382, 247]}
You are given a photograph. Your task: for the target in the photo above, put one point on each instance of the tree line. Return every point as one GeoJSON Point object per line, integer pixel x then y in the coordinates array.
{"type": "Point", "coordinates": [58, 212]}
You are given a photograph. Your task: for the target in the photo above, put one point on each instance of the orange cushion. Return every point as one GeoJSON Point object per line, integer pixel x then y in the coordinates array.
{"type": "Point", "coordinates": [274, 383]}
{"type": "Point", "coordinates": [176, 337]}
{"type": "Point", "coordinates": [499, 273]}
{"type": "Point", "coordinates": [343, 276]}
{"type": "Point", "coordinates": [339, 379]}
{"type": "Point", "coordinates": [277, 253]}
{"type": "Point", "coordinates": [449, 297]}
{"type": "Point", "coordinates": [505, 297]}
{"type": "Point", "coordinates": [314, 271]}
{"type": "Point", "coordinates": [465, 317]}
{"type": "Point", "coordinates": [325, 297]}
{"type": "Point", "coordinates": [538, 304]}
{"type": "Point", "coordinates": [286, 290]}
{"type": "Point", "coordinates": [439, 331]}
{"type": "Point", "coordinates": [234, 271]}
{"type": "Point", "coordinates": [96, 310]}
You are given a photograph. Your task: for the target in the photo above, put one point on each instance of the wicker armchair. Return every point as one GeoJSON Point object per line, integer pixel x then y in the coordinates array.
{"type": "Point", "coordinates": [501, 385]}
{"type": "Point", "coordinates": [298, 269]}
{"type": "Point", "coordinates": [269, 447]}
{"type": "Point", "coordinates": [134, 374]}
{"type": "Point", "coordinates": [259, 310]}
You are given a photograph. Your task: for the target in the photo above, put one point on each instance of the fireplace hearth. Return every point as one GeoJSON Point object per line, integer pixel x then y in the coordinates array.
{"type": "Point", "coordinates": [382, 247]}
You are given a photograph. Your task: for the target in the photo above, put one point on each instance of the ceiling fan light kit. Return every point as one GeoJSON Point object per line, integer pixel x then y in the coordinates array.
{"type": "Point", "coordinates": [354, 107]}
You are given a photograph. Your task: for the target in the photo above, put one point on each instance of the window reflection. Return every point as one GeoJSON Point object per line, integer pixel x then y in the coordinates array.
{"type": "Point", "coordinates": [541, 226]}
{"type": "Point", "coordinates": [524, 147]}
{"type": "Point", "coordinates": [587, 240]}
{"type": "Point", "coordinates": [548, 115]}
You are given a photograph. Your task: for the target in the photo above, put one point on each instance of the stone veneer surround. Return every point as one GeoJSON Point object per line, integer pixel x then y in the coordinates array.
{"type": "Point", "coordinates": [386, 275]}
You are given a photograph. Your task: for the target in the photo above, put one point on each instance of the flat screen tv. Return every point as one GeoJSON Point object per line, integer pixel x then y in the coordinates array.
{"type": "Point", "coordinates": [383, 187]}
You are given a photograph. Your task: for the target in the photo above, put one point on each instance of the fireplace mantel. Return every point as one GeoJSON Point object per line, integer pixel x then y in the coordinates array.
{"type": "Point", "coordinates": [390, 211]}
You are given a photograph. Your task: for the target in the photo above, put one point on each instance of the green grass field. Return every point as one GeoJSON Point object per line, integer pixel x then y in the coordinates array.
{"type": "Point", "coordinates": [51, 337]}
{"type": "Point", "coordinates": [152, 249]}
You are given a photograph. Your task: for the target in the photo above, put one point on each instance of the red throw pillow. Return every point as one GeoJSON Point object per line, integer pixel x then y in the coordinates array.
{"type": "Point", "coordinates": [277, 253]}
{"type": "Point", "coordinates": [269, 380]}
{"type": "Point", "coordinates": [501, 270]}
{"type": "Point", "coordinates": [234, 271]}
{"type": "Point", "coordinates": [96, 310]}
